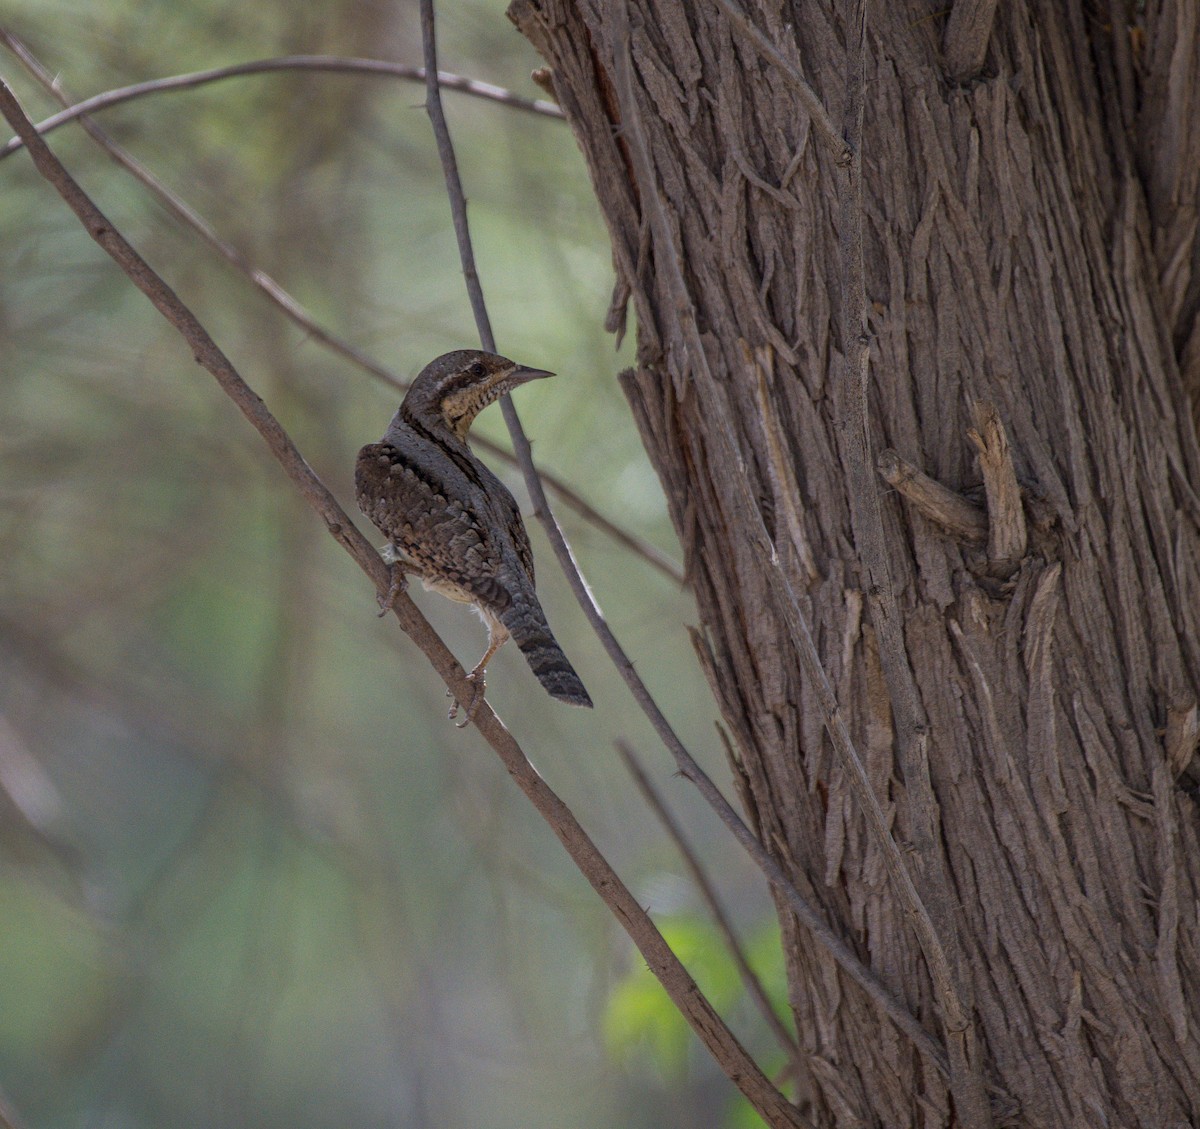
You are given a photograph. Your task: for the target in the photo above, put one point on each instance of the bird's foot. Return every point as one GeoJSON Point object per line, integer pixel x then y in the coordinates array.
{"type": "Point", "coordinates": [479, 686]}
{"type": "Point", "coordinates": [399, 583]}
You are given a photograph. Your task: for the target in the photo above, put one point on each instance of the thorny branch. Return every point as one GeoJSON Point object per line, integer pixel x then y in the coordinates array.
{"type": "Point", "coordinates": [595, 867]}
{"type": "Point", "coordinates": [686, 763]}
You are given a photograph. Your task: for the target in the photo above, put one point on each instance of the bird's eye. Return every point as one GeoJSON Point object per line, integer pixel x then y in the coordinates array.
{"type": "Point", "coordinates": [476, 369]}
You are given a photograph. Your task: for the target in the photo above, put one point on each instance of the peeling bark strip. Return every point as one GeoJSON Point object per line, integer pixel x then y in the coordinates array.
{"type": "Point", "coordinates": [1030, 242]}
{"type": "Point", "coordinates": [1006, 518]}
{"type": "Point", "coordinates": [966, 39]}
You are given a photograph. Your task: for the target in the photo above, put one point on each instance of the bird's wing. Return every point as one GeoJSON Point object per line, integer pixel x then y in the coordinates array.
{"type": "Point", "coordinates": [510, 514]}
{"type": "Point", "coordinates": [433, 522]}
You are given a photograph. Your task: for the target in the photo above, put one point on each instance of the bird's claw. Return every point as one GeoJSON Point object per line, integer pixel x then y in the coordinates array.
{"type": "Point", "coordinates": [399, 582]}
{"type": "Point", "coordinates": [479, 685]}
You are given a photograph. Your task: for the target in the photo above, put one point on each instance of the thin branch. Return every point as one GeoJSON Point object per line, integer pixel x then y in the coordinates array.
{"type": "Point", "coordinates": [935, 926]}
{"type": "Point", "coordinates": [298, 315]}
{"type": "Point", "coordinates": [328, 63]}
{"type": "Point", "coordinates": [738, 1066]}
{"type": "Point", "coordinates": [708, 892]}
{"type": "Point", "coordinates": [658, 955]}
{"type": "Point", "coordinates": [458, 208]}
{"type": "Point", "coordinates": [805, 913]}
{"type": "Point", "coordinates": [188, 216]}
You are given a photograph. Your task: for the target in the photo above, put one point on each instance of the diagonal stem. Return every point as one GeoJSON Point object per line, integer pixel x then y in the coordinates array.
{"type": "Point", "coordinates": [676, 980]}
{"type": "Point", "coordinates": [809, 917]}
{"type": "Point", "coordinates": [708, 893]}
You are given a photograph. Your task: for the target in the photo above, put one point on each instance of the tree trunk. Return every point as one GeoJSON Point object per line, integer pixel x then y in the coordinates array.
{"type": "Point", "coordinates": [1032, 294]}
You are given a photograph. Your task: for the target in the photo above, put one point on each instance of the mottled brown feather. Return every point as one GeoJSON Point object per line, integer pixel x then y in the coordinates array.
{"type": "Point", "coordinates": [452, 522]}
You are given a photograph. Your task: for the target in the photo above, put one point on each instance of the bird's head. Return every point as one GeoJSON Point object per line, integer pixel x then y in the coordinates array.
{"type": "Point", "coordinates": [452, 390]}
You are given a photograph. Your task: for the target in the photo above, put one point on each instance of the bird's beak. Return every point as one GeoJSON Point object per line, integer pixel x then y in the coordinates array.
{"type": "Point", "coordinates": [521, 374]}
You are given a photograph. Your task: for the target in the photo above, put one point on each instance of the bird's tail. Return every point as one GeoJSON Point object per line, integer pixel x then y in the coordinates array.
{"type": "Point", "coordinates": [528, 627]}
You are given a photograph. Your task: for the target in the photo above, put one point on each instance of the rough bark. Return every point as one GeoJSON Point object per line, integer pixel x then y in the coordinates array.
{"type": "Point", "coordinates": [1033, 297]}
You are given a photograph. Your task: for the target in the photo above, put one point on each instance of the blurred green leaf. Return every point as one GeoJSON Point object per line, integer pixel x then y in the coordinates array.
{"type": "Point", "coordinates": [642, 1027]}
{"type": "Point", "coordinates": [56, 974]}
{"type": "Point", "coordinates": [741, 1115]}
{"type": "Point", "coordinates": [641, 1023]}
{"type": "Point", "coordinates": [764, 952]}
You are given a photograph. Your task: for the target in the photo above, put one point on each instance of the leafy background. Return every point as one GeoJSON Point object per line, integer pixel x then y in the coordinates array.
{"type": "Point", "coordinates": [249, 874]}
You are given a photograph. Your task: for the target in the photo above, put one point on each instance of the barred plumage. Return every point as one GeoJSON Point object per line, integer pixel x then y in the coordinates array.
{"type": "Point", "coordinates": [452, 522]}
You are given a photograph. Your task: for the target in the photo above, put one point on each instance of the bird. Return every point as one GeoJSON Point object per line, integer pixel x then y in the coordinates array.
{"type": "Point", "coordinates": [451, 522]}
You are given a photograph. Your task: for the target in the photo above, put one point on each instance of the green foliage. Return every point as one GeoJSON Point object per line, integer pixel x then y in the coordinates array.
{"type": "Point", "coordinates": [56, 974]}
{"type": "Point", "coordinates": [640, 1022]}
{"type": "Point", "coordinates": [645, 1031]}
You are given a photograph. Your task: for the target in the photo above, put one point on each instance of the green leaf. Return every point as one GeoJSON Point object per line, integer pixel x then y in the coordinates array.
{"type": "Point", "coordinates": [641, 1023]}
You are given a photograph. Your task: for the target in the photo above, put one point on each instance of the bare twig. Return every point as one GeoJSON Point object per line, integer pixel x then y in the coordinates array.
{"type": "Point", "coordinates": [805, 913]}
{"type": "Point", "coordinates": [204, 349]}
{"type": "Point", "coordinates": [935, 924]}
{"type": "Point", "coordinates": [187, 215]}
{"type": "Point", "coordinates": [965, 40]}
{"type": "Point", "coordinates": [458, 208]}
{"type": "Point", "coordinates": [739, 1067]}
{"type": "Point", "coordinates": [300, 316]}
{"type": "Point", "coordinates": [708, 892]}
{"type": "Point", "coordinates": [296, 312]}
{"type": "Point", "coordinates": [328, 63]}
{"type": "Point", "coordinates": [941, 505]}
{"type": "Point", "coordinates": [607, 883]}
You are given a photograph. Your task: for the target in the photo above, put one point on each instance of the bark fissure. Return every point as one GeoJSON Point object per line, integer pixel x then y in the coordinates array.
{"type": "Point", "coordinates": [1015, 256]}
